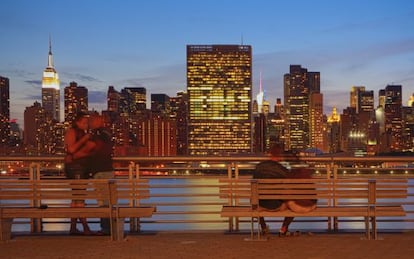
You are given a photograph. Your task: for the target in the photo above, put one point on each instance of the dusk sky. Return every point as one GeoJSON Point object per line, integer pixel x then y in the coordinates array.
{"type": "Point", "coordinates": [98, 43]}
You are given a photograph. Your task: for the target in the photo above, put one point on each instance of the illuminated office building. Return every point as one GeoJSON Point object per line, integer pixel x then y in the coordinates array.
{"type": "Point", "coordinates": [354, 96]}
{"type": "Point", "coordinates": [4, 110]}
{"type": "Point", "coordinates": [316, 139]}
{"type": "Point", "coordinates": [133, 100]}
{"type": "Point", "coordinates": [393, 117]}
{"type": "Point", "coordinates": [76, 100]}
{"type": "Point", "coordinates": [303, 108]}
{"type": "Point", "coordinates": [160, 104]}
{"type": "Point", "coordinates": [51, 89]}
{"type": "Point", "coordinates": [333, 132]}
{"type": "Point", "coordinates": [179, 112]}
{"type": "Point", "coordinates": [157, 136]}
{"type": "Point", "coordinates": [113, 99]}
{"type": "Point", "coordinates": [219, 84]}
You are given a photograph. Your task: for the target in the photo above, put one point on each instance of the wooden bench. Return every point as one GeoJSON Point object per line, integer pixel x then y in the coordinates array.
{"type": "Point", "coordinates": [37, 199]}
{"type": "Point", "coordinates": [126, 203]}
{"type": "Point", "coordinates": [336, 198]}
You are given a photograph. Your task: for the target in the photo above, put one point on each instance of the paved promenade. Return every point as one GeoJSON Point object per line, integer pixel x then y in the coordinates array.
{"type": "Point", "coordinates": [210, 245]}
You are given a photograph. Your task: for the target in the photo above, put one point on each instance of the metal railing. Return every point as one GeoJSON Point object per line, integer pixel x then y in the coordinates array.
{"type": "Point", "coordinates": [185, 190]}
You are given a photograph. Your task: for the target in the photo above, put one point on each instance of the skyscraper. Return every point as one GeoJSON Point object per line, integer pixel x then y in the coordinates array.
{"type": "Point", "coordinates": [179, 112]}
{"type": "Point", "coordinates": [76, 100]}
{"type": "Point", "coordinates": [51, 88]}
{"type": "Point", "coordinates": [133, 100]}
{"type": "Point", "coordinates": [219, 84]}
{"type": "Point", "coordinates": [160, 104]}
{"type": "Point", "coordinates": [355, 90]}
{"type": "Point", "coordinates": [303, 122]}
{"type": "Point", "coordinates": [4, 110]}
{"type": "Point", "coordinates": [393, 117]}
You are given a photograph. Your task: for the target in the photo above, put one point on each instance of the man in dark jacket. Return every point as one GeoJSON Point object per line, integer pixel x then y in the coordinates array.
{"type": "Point", "coordinates": [100, 161]}
{"type": "Point", "coordinates": [273, 169]}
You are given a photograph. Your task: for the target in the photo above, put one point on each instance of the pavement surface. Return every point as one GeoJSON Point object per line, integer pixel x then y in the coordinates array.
{"type": "Point", "coordinates": [210, 245]}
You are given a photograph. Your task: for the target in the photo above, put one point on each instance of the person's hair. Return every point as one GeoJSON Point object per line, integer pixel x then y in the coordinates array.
{"type": "Point", "coordinates": [276, 150]}
{"type": "Point", "coordinates": [79, 116]}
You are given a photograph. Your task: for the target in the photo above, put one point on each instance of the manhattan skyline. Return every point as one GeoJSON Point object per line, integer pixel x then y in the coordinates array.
{"type": "Point", "coordinates": [143, 44]}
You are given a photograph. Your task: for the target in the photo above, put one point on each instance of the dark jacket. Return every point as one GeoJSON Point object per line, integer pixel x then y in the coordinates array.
{"type": "Point", "coordinates": [101, 158]}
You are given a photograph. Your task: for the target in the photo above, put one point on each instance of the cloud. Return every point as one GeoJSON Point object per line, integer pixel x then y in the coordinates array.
{"type": "Point", "coordinates": [97, 97]}
{"type": "Point", "coordinates": [32, 97]}
{"type": "Point", "coordinates": [17, 73]}
{"type": "Point", "coordinates": [81, 78]}
{"type": "Point", "coordinates": [168, 79]}
{"type": "Point", "coordinates": [35, 83]}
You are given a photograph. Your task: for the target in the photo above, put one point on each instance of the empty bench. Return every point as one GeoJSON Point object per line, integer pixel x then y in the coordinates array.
{"type": "Point", "coordinates": [336, 198]}
{"type": "Point", "coordinates": [38, 199]}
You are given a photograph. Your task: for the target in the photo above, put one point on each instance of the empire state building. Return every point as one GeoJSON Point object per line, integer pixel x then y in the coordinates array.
{"type": "Point", "coordinates": [51, 88]}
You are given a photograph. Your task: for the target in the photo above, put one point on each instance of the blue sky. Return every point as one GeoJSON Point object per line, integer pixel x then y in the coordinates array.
{"type": "Point", "coordinates": [99, 43]}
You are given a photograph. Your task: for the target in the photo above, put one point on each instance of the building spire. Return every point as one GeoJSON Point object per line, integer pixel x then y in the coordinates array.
{"type": "Point", "coordinates": [50, 56]}
{"type": "Point", "coordinates": [260, 95]}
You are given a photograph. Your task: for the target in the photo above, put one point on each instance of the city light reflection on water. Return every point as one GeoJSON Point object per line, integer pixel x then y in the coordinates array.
{"type": "Point", "coordinates": [189, 196]}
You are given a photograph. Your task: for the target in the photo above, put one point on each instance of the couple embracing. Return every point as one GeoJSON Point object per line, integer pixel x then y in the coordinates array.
{"type": "Point", "coordinates": [88, 155]}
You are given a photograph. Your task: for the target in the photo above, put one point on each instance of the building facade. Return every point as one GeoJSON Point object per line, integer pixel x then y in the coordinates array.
{"type": "Point", "coordinates": [219, 86]}
{"type": "Point", "coordinates": [76, 100]}
{"type": "Point", "coordinates": [4, 110]}
{"type": "Point", "coordinates": [303, 103]}
{"type": "Point", "coordinates": [51, 89]}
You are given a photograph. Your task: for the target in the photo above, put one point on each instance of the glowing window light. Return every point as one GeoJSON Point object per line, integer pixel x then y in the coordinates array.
{"type": "Point", "coordinates": [357, 171]}
{"type": "Point", "coordinates": [392, 172]}
{"type": "Point", "coordinates": [344, 172]}
{"type": "Point", "coordinates": [375, 172]}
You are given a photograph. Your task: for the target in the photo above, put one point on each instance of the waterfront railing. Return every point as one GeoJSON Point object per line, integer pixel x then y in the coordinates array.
{"type": "Point", "coordinates": [185, 190]}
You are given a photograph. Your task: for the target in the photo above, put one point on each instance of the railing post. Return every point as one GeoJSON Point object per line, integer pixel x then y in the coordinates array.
{"type": "Point", "coordinates": [372, 200]}
{"type": "Point", "coordinates": [236, 170]}
{"type": "Point", "coordinates": [34, 171]}
{"type": "Point", "coordinates": [131, 168]}
{"type": "Point", "coordinates": [34, 175]}
{"type": "Point", "coordinates": [137, 171]}
{"type": "Point", "coordinates": [229, 170]}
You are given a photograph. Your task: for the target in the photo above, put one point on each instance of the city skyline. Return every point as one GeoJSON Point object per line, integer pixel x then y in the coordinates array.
{"type": "Point", "coordinates": [143, 45]}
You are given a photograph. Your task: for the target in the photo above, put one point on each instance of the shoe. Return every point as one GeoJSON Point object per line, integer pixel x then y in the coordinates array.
{"type": "Point", "coordinates": [285, 233]}
{"type": "Point", "coordinates": [75, 232]}
{"type": "Point", "coordinates": [265, 230]}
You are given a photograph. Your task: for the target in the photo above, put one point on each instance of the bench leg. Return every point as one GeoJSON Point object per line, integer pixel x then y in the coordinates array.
{"type": "Point", "coordinates": [374, 227]}
{"type": "Point", "coordinates": [5, 229]}
{"type": "Point", "coordinates": [367, 229]}
{"type": "Point", "coordinates": [255, 236]}
{"type": "Point", "coordinates": [117, 229]}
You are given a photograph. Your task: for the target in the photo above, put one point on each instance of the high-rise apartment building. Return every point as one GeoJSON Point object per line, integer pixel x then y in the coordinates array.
{"type": "Point", "coordinates": [393, 117]}
{"type": "Point", "coordinates": [51, 89]}
{"type": "Point", "coordinates": [34, 120]}
{"type": "Point", "coordinates": [113, 98]}
{"type": "Point", "coordinates": [333, 137]}
{"type": "Point", "coordinates": [219, 86]}
{"type": "Point", "coordinates": [160, 104]}
{"type": "Point", "coordinates": [76, 100]}
{"type": "Point", "coordinates": [365, 102]}
{"type": "Point", "coordinates": [179, 112]}
{"type": "Point", "coordinates": [354, 96]}
{"type": "Point", "coordinates": [316, 132]}
{"type": "Point", "coordinates": [158, 136]}
{"type": "Point", "coordinates": [133, 100]}
{"type": "Point", "coordinates": [4, 110]}
{"type": "Point", "coordinates": [303, 125]}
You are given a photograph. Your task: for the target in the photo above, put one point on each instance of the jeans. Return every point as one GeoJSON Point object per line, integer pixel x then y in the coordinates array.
{"type": "Point", "coordinates": [105, 222]}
